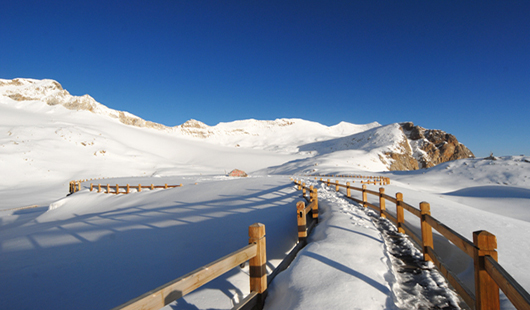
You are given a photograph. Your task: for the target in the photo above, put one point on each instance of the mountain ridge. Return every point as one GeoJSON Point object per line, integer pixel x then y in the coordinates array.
{"type": "Point", "coordinates": [397, 146]}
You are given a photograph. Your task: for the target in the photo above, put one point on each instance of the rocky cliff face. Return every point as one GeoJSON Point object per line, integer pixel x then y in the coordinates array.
{"type": "Point", "coordinates": [428, 148]}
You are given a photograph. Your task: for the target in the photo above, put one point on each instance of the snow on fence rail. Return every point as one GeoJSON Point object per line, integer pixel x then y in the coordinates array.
{"type": "Point", "coordinates": [255, 253]}
{"type": "Point", "coordinates": [75, 186]}
{"type": "Point", "coordinates": [489, 274]}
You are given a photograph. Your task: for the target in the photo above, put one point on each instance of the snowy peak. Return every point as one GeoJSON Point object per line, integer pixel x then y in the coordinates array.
{"type": "Point", "coordinates": [283, 135]}
{"type": "Point", "coordinates": [381, 139]}
{"type": "Point", "coordinates": [388, 147]}
{"type": "Point", "coordinates": [52, 93]}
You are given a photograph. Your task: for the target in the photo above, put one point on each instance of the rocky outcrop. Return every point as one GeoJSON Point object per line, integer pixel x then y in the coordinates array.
{"type": "Point", "coordinates": [195, 129]}
{"type": "Point", "coordinates": [433, 147]}
{"type": "Point", "coordinates": [402, 160]}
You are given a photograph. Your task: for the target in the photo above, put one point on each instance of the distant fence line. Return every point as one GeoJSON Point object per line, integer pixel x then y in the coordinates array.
{"type": "Point", "coordinates": [75, 186]}
{"type": "Point", "coordinates": [255, 253]}
{"type": "Point", "coordinates": [489, 274]}
{"type": "Point", "coordinates": [368, 179]}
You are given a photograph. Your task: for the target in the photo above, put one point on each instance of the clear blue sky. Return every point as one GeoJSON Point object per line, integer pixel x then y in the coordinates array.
{"type": "Point", "coordinates": [460, 66]}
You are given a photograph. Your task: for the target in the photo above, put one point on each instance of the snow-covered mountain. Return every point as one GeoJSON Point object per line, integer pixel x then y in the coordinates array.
{"type": "Point", "coordinates": [390, 146]}
{"type": "Point", "coordinates": [48, 135]}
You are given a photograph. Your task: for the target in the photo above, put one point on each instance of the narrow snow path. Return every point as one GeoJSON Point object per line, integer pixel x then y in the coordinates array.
{"type": "Point", "coordinates": [354, 260]}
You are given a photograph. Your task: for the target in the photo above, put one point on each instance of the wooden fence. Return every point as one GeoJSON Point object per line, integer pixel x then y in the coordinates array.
{"type": "Point", "coordinates": [255, 253]}
{"type": "Point", "coordinates": [75, 186]}
{"type": "Point", "coordinates": [489, 274]}
{"type": "Point", "coordinates": [369, 179]}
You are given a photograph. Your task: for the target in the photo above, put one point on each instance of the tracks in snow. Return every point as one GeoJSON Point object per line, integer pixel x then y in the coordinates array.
{"type": "Point", "coordinates": [414, 284]}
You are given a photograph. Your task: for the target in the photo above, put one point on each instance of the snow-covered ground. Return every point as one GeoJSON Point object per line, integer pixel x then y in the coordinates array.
{"type": "Point", "coordinates": [94, 251]}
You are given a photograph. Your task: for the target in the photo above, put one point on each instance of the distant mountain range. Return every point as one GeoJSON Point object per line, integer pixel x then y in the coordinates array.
{"type": "Point", "coordinates": [306, 144]}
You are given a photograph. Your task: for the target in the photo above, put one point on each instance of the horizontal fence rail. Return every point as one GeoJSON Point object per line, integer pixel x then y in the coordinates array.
{"type": "Point", "coordinates": [255, 253]}
{"type": "Point", "coordinates": [490, 276]}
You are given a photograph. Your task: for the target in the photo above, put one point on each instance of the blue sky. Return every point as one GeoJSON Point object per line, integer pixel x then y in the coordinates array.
{"type": "Point", "coordinates": [459, 66]}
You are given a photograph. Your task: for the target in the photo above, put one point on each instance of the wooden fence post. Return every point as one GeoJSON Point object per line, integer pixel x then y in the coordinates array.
{"type": "Point", "coordinates": [91, 186]}
{"type": "Point", "coordinates": [258, 264]}
{"type": "Point", "coordinates": [382, 203]}
{"type": "Point", "coordinates": [128, 189]}
{"type": "Point", "coordinates": [329, 182]}
{"type": "Point", "coordinates": [303, 189]}
{"type": "Point", "coordinates": [426, 231]}
{"type": "Point", "coordinates": [311, 189]}
{"type": "Point", "coordinates": [117, 189]}
{"type": "Point", "coordinates": [365, 196]}
{"type": "Point", "coordinates": [348, 190]}
{"type": "Point", "coordinates": [165, 186]}
{"type": "Point", "coordinates": [139, 187]}
{"type": "Point", "coordinates": [486, 290]}
{"type": "Point", "coordinates": [99, 188]}
{"type": "Point", "coordinates": [400, 214]}
{"type": "Point", "coordinates": [336, 185]}
{"type": "Point", "coordinates": [108, 188]}
{"type": "Point", "coordinates": [315, 204]}
{"type": "Point", "coordinates": [152, 186]}
{"type": "Point", "coordinates": [302, 222]}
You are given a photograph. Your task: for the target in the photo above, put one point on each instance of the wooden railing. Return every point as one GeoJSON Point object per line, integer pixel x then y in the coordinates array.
{"type": "Point", "coordinates": [255, 252]}
{"type": "Point", "coordinates": [368, 179]}
{"type": "Point", "coordinates": [75, 186]}
{"type": "Point", "coordinates": [489, 274]}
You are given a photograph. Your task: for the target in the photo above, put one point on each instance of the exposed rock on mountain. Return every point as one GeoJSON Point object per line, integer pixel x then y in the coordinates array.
{"type": "Point", "coordinates": [402, 159]}
{"type": "Point", "coordinates": [433, 147]}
